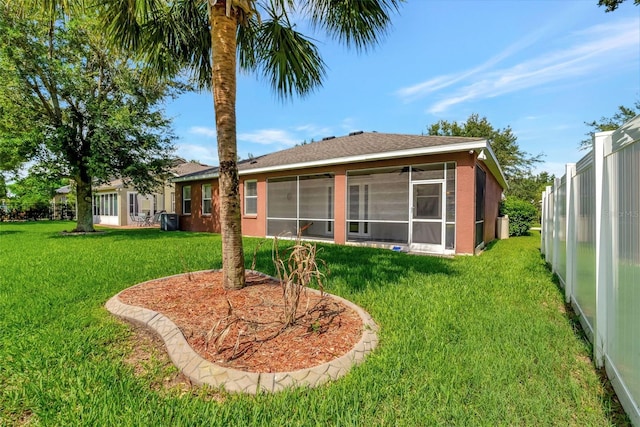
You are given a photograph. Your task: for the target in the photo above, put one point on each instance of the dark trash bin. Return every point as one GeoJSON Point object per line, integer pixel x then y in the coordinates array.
{"type": "Point", "coordinates": [169, 222]}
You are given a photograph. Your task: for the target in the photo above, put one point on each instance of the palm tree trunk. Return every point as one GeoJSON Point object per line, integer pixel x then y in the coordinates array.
{"type": "Point", "coordinates": [223, 46]}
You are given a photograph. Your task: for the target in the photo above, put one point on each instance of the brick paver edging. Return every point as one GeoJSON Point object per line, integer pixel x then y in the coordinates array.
{"type": "Point", "coordinates": [201, 371]}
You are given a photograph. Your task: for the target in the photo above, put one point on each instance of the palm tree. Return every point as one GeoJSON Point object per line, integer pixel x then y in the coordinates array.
{"type": "Point", "coordinates": [205, 37]}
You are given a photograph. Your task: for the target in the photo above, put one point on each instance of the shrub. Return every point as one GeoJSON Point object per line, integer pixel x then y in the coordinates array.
{"type": "Point", "coordinates": [521, 214]}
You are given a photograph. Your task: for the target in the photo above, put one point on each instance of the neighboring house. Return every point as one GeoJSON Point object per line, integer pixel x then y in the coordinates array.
{"type": "Point", "coordinates": [62, 204]}
{"type": "Point", "coordinates": [406, 192]}
{"type": "Point", "coordinates": [114, 203]}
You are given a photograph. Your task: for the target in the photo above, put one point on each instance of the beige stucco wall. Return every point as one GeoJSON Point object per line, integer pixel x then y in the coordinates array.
{"type": "Point", "coordinates": [163, 200]}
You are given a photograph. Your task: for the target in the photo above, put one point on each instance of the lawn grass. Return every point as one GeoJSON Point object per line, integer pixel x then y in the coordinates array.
{"type": "Point", "coordinates": [467, 341]}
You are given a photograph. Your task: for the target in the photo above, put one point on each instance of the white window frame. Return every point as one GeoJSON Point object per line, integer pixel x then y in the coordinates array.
{"type": "Point", "coordinates": [204, 199]}
{"type": "Point", "coordinates": [105, 204]}
{"type": "Point", "coordinates": [247, 197]}
{"type": "Point", "coordinates": [184, 199]}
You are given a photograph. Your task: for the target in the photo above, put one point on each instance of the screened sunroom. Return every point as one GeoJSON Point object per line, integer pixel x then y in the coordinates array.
{"type": "Point", "coordinates": [409, 205]}
{"type": "Point", "coordinates": [406, 205]}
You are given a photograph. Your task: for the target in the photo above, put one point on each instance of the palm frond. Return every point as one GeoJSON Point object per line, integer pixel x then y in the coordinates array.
{"type": "Point", "coordinates": [288, 59]}
{"type": "Point", "coordinates": [247, 44]}
{"type": "Point", "coordinates": [167, 38]}
{"type": "Point", "coordinates": [124, 19]}
{"type": "Point", "coordinates": [357, 23]}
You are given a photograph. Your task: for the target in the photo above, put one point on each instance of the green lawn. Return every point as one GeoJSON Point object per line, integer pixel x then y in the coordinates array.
{"type": "Point", "coordinates": [467, 341]}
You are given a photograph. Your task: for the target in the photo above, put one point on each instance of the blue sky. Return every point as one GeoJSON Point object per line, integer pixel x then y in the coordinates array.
{"type": "Point", "coordinates": [541, 67]}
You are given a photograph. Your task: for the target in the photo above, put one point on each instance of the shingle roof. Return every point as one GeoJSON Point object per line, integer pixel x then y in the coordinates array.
{"type": "Point", "coordinates": [187, 168]}
{"type": "Point", "coordinates": [357, 146]}
{"type": "Point", "coordinates": [180, 169]}
{"type": "Point", "coordinates": [64, 190]}
{"type": "Point", "coordinates": [354, 145]}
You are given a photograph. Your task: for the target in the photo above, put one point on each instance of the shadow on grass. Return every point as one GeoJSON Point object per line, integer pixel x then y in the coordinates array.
{"type": "Point", "coordinates": [360, 267]}
{"type": "Point", "coordinates": [490, 245]}
{"type": "Point", "coordinates": [8, 232]}
{"type": "Point", "coordinates": [132, 234]}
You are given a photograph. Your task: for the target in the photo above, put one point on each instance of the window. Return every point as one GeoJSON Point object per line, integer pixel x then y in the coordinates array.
{"type": "Point", "coordinates": [133, 204]}
{"type": "Point", "coordinates": [206, 199]}
{"type": "Point", "coordinates": [450, 230]}
{"type": "Point", "coordinates": [481, 179]}
{"type": "Point", "coordinates": [105, 204]}
{"type": "Point", "coordinates": [251, 197]}
{"type": "Point", "coordinates": [186, 200]}
{"type": "Point", "coordinates": [173, 201]}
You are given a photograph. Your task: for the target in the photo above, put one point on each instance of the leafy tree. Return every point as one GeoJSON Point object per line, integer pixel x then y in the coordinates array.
{"type": "Point", "coordinates": [76, 107]}
{"type": "Point", "coordinates": [623, 115]}
{"type": "Point", "coordinates": [3, 186]}
{"type": "Point", "coordinates": [612, 5]}
{"type": "Point", "coordinates": [34, 190]}
{"type": "Point", "coordinates": [206, 38]}
{"type": "Point", "coordinates": [529, 188]}
{"type": "Point", "coordinates": [514, 161]}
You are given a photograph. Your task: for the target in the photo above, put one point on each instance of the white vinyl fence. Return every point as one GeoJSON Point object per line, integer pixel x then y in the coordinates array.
{"type": "Point", "coordinates": [591, 238]}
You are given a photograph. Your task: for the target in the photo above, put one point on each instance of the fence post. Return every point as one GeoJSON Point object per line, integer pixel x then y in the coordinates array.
{"type": "Point", "coordinates": [556, 225]}
{"type": "Point", "coordinates": [602, 251]}
{"type": "Point", "coordinates": [570, 233]}
{"type": "Point", "coordinates": [543, 217]}
{"type": "Point", "coordinates": [548, 238]}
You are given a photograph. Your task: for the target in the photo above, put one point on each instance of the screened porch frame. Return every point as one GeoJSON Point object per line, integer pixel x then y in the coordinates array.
{"type": "Point", "coordinates": [448, 208]}
{"type": "Point", "coordinates": [306, 222]}
{"type": "Point", "coordinates": [389, 210]}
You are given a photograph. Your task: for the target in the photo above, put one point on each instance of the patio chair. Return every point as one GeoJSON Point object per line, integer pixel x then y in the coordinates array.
{"type": "Point", "coordinates": [156, 218]}
{"type": "Point", "coordinates": [137, 219]}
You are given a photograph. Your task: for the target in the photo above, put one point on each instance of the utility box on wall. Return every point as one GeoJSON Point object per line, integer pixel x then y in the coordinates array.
{"type": "Point", "coordinates": [502, 227]}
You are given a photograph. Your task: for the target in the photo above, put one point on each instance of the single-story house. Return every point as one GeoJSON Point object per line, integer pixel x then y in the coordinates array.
{"type": "Point", "coordinates": [63, 204]}
{"type": "Point", "coordinates": [417, 193]}
{"type": "Point", "coordinates": [115, 203]}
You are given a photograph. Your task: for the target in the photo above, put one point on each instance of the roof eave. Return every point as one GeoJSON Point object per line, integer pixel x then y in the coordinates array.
{"type": "Point", "coordinates": [195, 177]}
{"type": "Point", "coordinates": [492, 163]}
{"type": "Point", "coordinates": [476, 146]}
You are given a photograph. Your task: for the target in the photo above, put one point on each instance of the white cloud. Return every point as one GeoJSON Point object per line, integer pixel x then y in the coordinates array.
{"type": "Point", "coordinates": [269, 137]}
{"type": "Point", "coordinates": [422, 89]}
{"type": "Point", "coordinates": [591, 52]}
{"type": "Point", "coordinates": [349, 124]}
{"type": "Point", "coordinates": [312, 130]}
{"type": "Point", "coordinates": [440, 82]}
{"type": "Point", "coordinates": [203, 130]}
{"type": "Point", "coordinates": [203, 154]}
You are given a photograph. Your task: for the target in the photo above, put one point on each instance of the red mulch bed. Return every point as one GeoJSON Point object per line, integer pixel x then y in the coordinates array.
{"type": "Point", "coordinates": [243, 329]}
